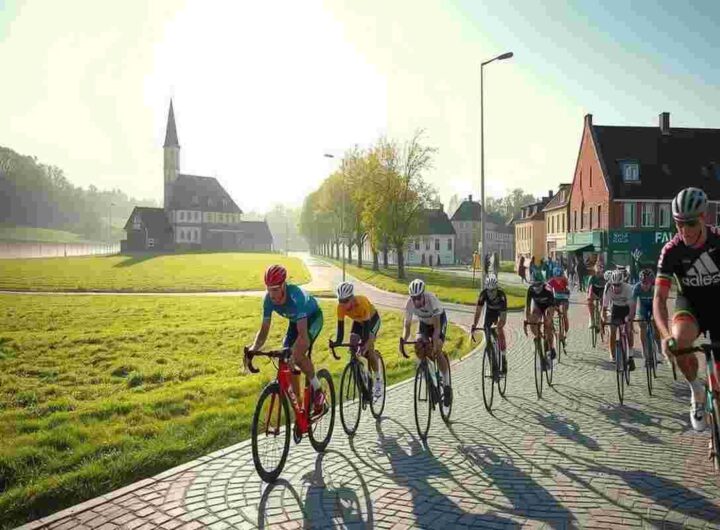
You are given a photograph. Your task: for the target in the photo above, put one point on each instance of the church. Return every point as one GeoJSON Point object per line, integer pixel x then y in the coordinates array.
{"type": "Point", "coordinates": [197, 213]}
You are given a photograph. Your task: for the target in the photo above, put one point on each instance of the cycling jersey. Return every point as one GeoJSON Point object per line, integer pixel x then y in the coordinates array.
{"type": "Point", "coordinates": [559, 286]}
{"type": "Point", "coordinates": [362, 309]}
{"type": "Point", "coordinates": [497, 304]}
{"type": "Point", "coordinates": [622, 298]}
{"type": "Point", "coordinates": [431, 308]}
{"type": "Point", "coordinates": [544, 299]}
{"type": "Point", "coordinates": [644, 300]}
{"type": "Point", "coordinates": [596, 286]}
{"type": "Point", "coordinates": [697, 270]}
{"type": "Point", "coordinates": [298, 305]}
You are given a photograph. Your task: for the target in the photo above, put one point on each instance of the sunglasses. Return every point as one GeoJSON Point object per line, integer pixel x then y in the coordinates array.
{"type": "Point", "coordinates": [690, 224]}
{"type": "Point", "coordinates": [275, 289]}
{"type": "Point", "coordinates": [343, 301]}
{"type": "Point", "coordinates": [416, 298]}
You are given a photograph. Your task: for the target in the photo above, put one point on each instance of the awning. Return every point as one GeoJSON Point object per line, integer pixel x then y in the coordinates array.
{"type": "Point", "coordinates": [576, 247]}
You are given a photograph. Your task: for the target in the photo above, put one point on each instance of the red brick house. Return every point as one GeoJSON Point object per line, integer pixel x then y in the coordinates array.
{"type": "Point", "coordinates": [625, 179]}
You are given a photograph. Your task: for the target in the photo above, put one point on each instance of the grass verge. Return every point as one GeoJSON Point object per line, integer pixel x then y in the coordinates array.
{"type": "Point", "coordinates": [98, 392]}
{"type": "Point", "coordinates": [447, 287]}
{"type": "Point", "coordinates": [13, 233]}
{"type": "Point", "coordinates": [193, 272]}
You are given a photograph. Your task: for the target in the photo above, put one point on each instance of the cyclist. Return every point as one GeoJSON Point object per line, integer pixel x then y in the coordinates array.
{"type": "Point", "coordinates": [643, 297]}
{"type": "Point", "coordinates": [559, 285]}
{"type": "Point", "coordinates": [595, 291]}
{"type": "Point", "coordinates": [495, 302]}
{"type": "Point", "coordinates": [693, 258]}
{"type": "Point", "coordinates": [305, 323]}
{"type": "Point", "coordinates": [619, 300]}
{"type": "Point", "coordinates": [540, 303]}
{"type": "Point", "coordinates": [365, 327]}
{"type": "Point", "coordinates": [433, 323]}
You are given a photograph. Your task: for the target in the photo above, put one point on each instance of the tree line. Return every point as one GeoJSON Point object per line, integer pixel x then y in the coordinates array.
{"type": "Point", "coordinates": [378, 195]}
{"type": "Point", "coordinates": [40, 195]}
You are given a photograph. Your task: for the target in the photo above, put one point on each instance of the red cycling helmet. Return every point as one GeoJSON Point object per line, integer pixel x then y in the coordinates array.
{"type": "Point", "coordinates": [275, 275]}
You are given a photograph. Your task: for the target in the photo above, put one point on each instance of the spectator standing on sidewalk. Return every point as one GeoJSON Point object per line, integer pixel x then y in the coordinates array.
{"type": "Point", "coordinates": [521, 269]}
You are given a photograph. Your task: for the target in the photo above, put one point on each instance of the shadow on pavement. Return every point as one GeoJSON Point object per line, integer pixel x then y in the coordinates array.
{"type": "Point", "coordinates": [568, 429]}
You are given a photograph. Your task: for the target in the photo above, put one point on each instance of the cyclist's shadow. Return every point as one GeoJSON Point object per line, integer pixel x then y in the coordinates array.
{"type": "Point", "coordinates": [326, 504]}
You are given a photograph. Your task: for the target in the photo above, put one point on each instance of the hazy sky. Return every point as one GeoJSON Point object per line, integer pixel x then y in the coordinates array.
{"type": "Point", "coordinates": [262, 89]}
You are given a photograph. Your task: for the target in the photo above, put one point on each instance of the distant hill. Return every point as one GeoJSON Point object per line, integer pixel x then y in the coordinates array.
{"type": "Point", "coordinates": [37, 195]}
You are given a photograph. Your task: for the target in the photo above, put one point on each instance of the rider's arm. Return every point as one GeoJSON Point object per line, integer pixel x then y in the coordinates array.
{"type": "Point", "coordinates": [660, 309]}
{"type": "Point", "coordinates": [527, 304]}
{"type": "Point", "coordinates": [261, 335]}
{"type": "Point", "coordinates": [408, 320]}
{"type": "Point", "coordinates": [478, 309]}
{"type": "Point", "coordinates": [340, 333]}
{"type": "Point", "coordinates": [302, 343]}
{"type": "Point", "coordinates": [436, 328]}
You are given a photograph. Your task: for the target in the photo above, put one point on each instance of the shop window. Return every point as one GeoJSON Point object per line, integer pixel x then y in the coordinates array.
{"type": "Point", "coordinates": [427, 244]}
{"type": "Point", "coordinates": [629, 214]}
{"type": "Point", "coordinates": [599, 217]}
{"type": "Point", "coordinates": [648, 215]}
{"type": "Point", "coordinates": [664, 215]}
{"type": "Point", "coordinates": [417, 244]}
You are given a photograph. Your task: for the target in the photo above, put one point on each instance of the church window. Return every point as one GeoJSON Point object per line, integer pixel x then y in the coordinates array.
{"type": "Point", "coordinates": [182, 235]}
{"type": "Point", "coordinates": [182, 216]}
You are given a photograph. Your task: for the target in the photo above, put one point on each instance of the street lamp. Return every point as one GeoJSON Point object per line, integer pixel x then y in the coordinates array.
{"type": "Point", "coordinates": [342, 213]}
{"type": "Point", "coordinates": [110, 221]}
{"type": "Point", "coordinates": [482, 164]}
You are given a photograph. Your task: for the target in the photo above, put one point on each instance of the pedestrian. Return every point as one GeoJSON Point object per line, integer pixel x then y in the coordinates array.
{"type": "Point", "coordinates": [521, 270]}
{"type": "Point", "coordinates": [580, 271]}
{"type": "Point", "coordinates": [532, 266]}
{"type": "Point", "coordinates": [496, 263]}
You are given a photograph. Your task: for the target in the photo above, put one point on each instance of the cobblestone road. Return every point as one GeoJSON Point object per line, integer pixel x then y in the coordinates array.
{"type": "Point", "coordinates": [572, 459]}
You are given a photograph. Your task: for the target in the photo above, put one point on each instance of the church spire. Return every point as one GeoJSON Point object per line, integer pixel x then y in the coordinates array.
{"type": "Point", "coordinates": [171, 139]}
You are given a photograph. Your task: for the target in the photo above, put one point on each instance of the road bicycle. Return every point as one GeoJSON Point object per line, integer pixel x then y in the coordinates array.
{"type": "Point", "coordinates": [493, 371]}
{"type": "Point", "coordinates": [543, 363]}
{"type": "Point", "coordinates": [428, 392]}
{"type": "Point", "coordinates": [595, 323]}
{"type": "Point", "coordinates": [270, 431]}
{"type": "Point", "coordinates": [622, 365]}
{"type": "Point", "coordinates": [712, 394]}
{"type": "Point", "coordinates": [560, 336]}
{"type": "Point", "coordinates": [650, 352]}
{"type": "Point", "coordinates": [356, 388]}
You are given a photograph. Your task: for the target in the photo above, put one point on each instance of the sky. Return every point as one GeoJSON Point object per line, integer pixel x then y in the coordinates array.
{"type": "Point", "coordinates": [262, 90]}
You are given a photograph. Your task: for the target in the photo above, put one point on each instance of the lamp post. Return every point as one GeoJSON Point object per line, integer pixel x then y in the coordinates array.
{"type": "Point", "coordinates": [342, 213]}
{"type": "Point", "coordinates": [110, 221]}
{"type": "Point", "coordinates": [482, 164]}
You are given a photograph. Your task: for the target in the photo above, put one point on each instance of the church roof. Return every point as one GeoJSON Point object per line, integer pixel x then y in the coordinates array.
{"type": "Point", "coordinates": [154, 220]}
{"type": "Point", "coordinates": [193, 192]}
{"type": "Point", "coordinates": [171, 139]}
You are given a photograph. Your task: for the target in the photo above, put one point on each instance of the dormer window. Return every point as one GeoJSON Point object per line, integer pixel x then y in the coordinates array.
{"type": "Point", "coordinates": [630, 171]}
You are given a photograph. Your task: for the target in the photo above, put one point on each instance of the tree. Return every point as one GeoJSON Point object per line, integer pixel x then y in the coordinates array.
{"type": "Point", "coordinates": [453, 204]}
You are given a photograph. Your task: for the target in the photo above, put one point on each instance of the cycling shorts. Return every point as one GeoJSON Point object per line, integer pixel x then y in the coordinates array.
{"type": "Point", "coordinates": [366, 328]}
{"type": "Point", "coordinates": [541, 308]}
{"type": "Point", "coordinates": [314, 324]}
{"type": "Point", "coordinates": [619, 312]}
{"type": "Point", "coordinates": [491, 317]}
{"type": "Point", "coordinates": [644, 310]}
{"type": "Point", "coordinates": [428, 330]}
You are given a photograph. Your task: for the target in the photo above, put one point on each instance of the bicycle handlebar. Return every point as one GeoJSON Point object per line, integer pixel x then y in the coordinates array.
{"type": "Point", "coordinates": [705, 348]}
{"type": "Point", "coordinates": [283, 354]}
{"type": "Point", "coordinates": [332, 347]}
{"type": "Point", "coordinates": [473, 329]}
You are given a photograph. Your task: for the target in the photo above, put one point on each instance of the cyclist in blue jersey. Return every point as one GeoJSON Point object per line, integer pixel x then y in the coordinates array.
{"type": "Point", "coordinates": [643, 293]}
{"type": "Point", "coordinates": [305, 323]}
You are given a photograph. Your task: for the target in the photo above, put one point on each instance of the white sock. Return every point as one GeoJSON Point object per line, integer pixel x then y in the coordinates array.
{"type": "Point", "coordinates": [697, 389]}
{"type": "Point", "coordinates": [446, 377]}
{"type": "Point", "coordinates": [315, 383]}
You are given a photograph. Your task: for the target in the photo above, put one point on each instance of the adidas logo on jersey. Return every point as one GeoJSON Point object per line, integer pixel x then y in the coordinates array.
{"type": "Point", "coordinates": [703, 272]}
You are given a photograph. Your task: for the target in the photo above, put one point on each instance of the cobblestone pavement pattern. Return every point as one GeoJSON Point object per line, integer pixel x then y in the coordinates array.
{"type": "Point", "coordinates": [574, 459]}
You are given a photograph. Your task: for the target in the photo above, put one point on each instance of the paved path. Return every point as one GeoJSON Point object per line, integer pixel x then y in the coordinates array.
{"type": "Point", "coordinates": [573, 459]}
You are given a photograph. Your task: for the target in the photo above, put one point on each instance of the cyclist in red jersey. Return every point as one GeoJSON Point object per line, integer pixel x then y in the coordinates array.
{"type": "Point", "coordinates": [692, 257]}
{"type": "Point", "coordinates": [559, 285]}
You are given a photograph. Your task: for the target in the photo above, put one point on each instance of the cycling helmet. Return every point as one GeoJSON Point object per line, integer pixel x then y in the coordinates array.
{"type": "Point", "coordinates": [617, 277]}
{"type": "Point", "coordinates": [647, 274]}
{"type": "Point", "coordinates": [557, 271]}
{"type": "Point", "coordinates": [607, 275]}
{"type": "Point", "coordinates": [491, 282]}
{"type": "Point", "coordinates": [345, 290]}
{"type": "Point", "coordinates": [416, 287]}
{"type": "Point", "coordinates": [275, 275]}
{"type": "Point", "coordinates": [689, 204]}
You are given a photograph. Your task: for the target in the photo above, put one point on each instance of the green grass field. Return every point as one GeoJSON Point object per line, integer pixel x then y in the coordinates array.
{"type": "Point", "coordinates": [194, 272]}
{"type": "Point", "coordinates": [447, 287]}
{"type": "Point", "coordinates": [29, 233]}
{"type": "Point", "coordinates": [97, 392]}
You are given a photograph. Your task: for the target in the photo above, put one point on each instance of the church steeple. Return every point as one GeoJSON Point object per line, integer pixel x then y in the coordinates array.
{"type": "Point", "coordinates": [171, 139]}
{"type": "Point", "coordinates": [171, 165]}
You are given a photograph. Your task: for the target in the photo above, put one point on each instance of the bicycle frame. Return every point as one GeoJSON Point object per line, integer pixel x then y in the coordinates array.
{"type": "Point", "coordinates": [355, 358]}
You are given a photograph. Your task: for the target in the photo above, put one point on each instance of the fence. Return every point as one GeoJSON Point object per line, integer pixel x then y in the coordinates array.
{"type": "Point", "coordinates": [56, 250]}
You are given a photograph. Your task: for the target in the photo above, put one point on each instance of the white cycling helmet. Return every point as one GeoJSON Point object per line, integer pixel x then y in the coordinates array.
{"type": "Point", "coordinates": [491, 282]}
{"type": "Point", "coordinates": [689, 204]}
{"type": "Point", "coordinates": [416, 287]}
{"type": "Point", "coordinates": [617, 277]}
{"type": "Point", "coordinates": [345, 290]}
{"type": "Point", "coordinates": [607, 275]}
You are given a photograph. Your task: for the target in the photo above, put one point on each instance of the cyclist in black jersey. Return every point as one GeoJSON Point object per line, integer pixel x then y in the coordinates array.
{"type": "Point", "coordinates": [539, 302]}
{"type": "Point", "coordinates": [495, 302]}
{"type": "Point", "coordinates": [692, 257]}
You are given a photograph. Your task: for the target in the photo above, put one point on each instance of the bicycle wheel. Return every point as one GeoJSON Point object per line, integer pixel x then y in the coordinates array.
{"type": "Point", "coordinates": [350, 398]}
{"type": "Point", "coordinates": [715, 433]}
{"type": "Point", "coordinates": [377, 405]}
{"type": "Point", "coordinates": [502, 377]}
{"type": "Point", "coordinates": [321, 427]}
{"type": "Point", "coordinates": [270, 433]}
{"type": "Point", "coordinates": [649, 364]}
{"type": "Point", "coordinates": [538, 368]}
{"type": "Point", "coordinates": [626, 350]}
{"type": "Point", "coordinates": [674, 370]}
{"type": "Point", "coordinates": [550, 366]}
{"type": "Point", "coordinates": [653, 349]}
{"type": "Point", "coordinates": [620, 371]}
{"type": "Point", "coordinates": [446, 411]}
{"type": "Point", "coordinates": [488, 377]}
{"type": "Point", "coordinates": [594, 329]}
{"type": "Point", "coordinates": [422, 401]}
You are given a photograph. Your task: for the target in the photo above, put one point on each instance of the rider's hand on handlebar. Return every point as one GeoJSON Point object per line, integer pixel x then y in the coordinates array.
{"type": "Point", "coordinates": [667, 346]}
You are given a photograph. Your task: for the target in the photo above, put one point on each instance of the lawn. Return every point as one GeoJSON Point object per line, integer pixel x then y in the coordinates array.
{"type": "Point", "coordinates": [30, 233]}
{"type": "Point", "coordinates": [447, 287]}
{"type": "Point", "coordinates": [193, 272]}
{"type": "Point", "coordinates": [98, 392]}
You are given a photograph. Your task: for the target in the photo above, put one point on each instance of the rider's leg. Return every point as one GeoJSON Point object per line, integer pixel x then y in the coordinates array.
{"type": "Point", "coordinates": [548, 324]}
{"type": "Point", "coordinates": [534, 318]}
{"type": "Point", "coordinates": [685, 329]}
{"type": "Point", "coordinates": [566, 319]}
{"type": "Point", "coordinates": [643, 338]}
{"type": "Point", "coordinates": [590, 304]}
{"type": "Point", "coordinates": [502, 344]}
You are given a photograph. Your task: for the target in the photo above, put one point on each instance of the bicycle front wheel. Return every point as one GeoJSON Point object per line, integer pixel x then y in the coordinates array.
{"type": "Point", "coordinates": [350, 399]}
{"type": "Point", "coordinates": [422, 401]}
{"type": "Point", "coordinates": [377, 405]}
{"type": "Point", "coordinates": [620, 371]}
{"type": "Point", "coordinates": [488, 378]}
{"type": "Point", "coordinates": [715, 434]}
{"type": "Point", "coordinates": [649, 366]}
{"type": "Point", "coordinates": [538, 368]}
{"type": "Point", "coordinates": [270, 433]}
{"type": "Point", "coordinates": [446, 411]}
{"type": "Point", "coordinates": [321, 426]}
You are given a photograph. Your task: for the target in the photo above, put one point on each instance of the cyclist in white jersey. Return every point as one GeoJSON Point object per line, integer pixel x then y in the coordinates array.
{"type": "Point", "coordinates": [619, 298]}
{"type": "Point", "coordinates": [433, 323]}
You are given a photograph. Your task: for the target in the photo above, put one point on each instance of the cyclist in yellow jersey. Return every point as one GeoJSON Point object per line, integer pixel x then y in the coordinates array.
{"type": "Point", "coordinates": [366, 324]}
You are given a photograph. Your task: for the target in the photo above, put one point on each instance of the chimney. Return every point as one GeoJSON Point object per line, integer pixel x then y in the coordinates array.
{"type": "Point", "coordinates": [470, 197]}
{"type": "Point", "coordinates": [665, 123]}
{"type": "Point", "coordinates": [550, 194]}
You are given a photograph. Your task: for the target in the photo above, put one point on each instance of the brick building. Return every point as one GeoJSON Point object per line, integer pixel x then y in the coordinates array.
{"type": "Point", "coordinates": [625, 179]}
{"type": "Point", "coordinates": [556, 221]}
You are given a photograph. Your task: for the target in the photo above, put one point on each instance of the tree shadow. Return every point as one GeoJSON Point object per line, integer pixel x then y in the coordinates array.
{"type": "Point", "coordinates": [135, 258]}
